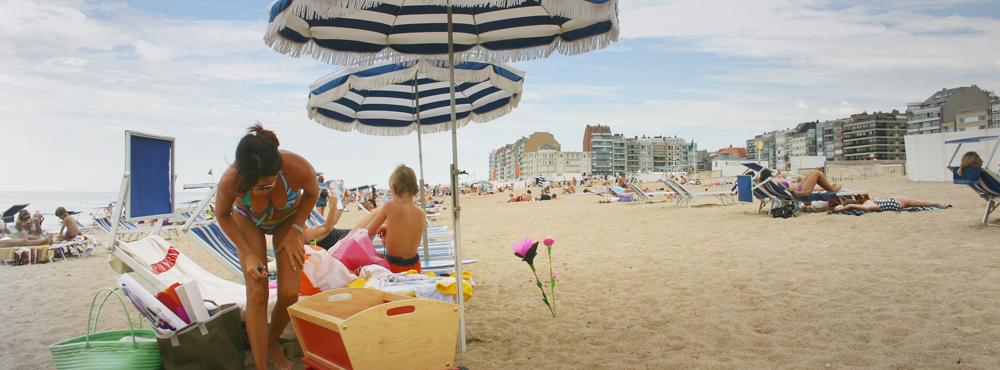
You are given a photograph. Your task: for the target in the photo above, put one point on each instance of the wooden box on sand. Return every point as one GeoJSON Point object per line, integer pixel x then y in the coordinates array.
{"type": "Point", "coordinates": [358, 328]}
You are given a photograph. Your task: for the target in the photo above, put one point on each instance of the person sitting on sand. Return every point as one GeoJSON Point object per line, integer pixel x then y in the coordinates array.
{"type": "Point", "coordinates": [897, 203]}
{"type": "Point", "coordinates": [569, 189]}
{"type": "Point", "coordinates": [808, 184]}
{"type": "Point", "coordinates": [69, 228]}
{"type": "Point", "coordinates": [24, 242]}
{"type": "Point", "coordinates": [402, 222]}
{"type": "Point", "coordinates": [27, 225]}
{"type": "Point", "coordinates": [970, 159]}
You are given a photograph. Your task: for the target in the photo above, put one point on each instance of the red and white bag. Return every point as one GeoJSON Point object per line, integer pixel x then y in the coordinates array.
{"type": "Point", "coordinates": [25, 256]}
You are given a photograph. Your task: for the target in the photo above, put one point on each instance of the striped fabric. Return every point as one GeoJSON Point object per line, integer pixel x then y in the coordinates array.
{"type": "Point", "coordinates": [381, 99]}
{"type": "Point", "coordinates": [335, 32]}
{"type": "Point", "coordinates": [211, 238]}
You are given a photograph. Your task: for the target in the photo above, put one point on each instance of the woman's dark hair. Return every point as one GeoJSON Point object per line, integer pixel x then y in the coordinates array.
{"type": "Point", "coordinates": [257, 156]}
{"type": "Point", "coordinates": [764, 174]}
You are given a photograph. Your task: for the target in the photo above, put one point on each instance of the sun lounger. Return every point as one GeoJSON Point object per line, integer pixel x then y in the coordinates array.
{"type": "Point", "coordinates": [726, 196]}
{"type": "Point", "coordinates": [984, 182]}
{"type": "Point", "coordinates": [641, 196]}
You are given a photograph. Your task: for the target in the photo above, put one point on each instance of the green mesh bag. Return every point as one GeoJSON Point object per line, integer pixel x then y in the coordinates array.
{"type": "Point", "coordinates": [132, 349]}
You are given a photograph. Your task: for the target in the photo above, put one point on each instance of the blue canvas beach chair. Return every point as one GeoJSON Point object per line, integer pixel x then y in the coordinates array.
{"type": "Point", "coordinates": [9, 215]}
{"type": "Point", "coordinates": [984, 182]}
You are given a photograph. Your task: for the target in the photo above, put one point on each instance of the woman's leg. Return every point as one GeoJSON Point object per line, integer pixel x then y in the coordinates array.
{"type": "Point", "coordinates": [814, 178]}
{"type": "Point", "coordinates": [288, 294]}
{"type": "Point", "coordinates": [907, 202]}
{"type": "Point", "coordinates": [257, 293]}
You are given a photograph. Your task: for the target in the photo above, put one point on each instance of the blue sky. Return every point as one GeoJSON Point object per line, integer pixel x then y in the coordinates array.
{"type": "Point", "coordinates": [75, 74]}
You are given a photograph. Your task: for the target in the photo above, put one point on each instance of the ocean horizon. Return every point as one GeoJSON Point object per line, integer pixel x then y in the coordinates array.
{"type": "Point", "coordinates": [85, 202]}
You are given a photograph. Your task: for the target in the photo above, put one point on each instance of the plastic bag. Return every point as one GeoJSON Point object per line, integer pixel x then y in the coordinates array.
{"type": "Point", "coordinates": [355, 251]}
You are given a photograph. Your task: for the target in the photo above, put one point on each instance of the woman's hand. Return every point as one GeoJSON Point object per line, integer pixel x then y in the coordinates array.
{"type": "Point", "coordinates": [256, 269]}
{"type": "Point", "coordinates": [293, 248]}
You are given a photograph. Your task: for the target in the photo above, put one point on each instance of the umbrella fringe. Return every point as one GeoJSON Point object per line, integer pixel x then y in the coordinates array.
{"type": "Point", "coordinates": [506, 84]}
{"type": "Point", "coordinates": [403, 131]}
{"type": "Point", "coordinates": [494, 114]}
{"type": "Point", "coordinates": [588, 44]}
{"type": "Point", "coordinates": [312, 9]}
{"type": "Point", "coordinates": [581, 9]}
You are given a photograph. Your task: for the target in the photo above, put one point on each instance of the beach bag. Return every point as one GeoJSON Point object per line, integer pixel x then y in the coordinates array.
{"type": "Point", "coordinates": [356, 250]}
{"type": "Point", "coordinates": [25, 256]}
{"type": "Point", "coordinates": [132, 349]}
{"type": "Point", "coordinates": [784, 211]}
{"type": "Point", "coordinates": [213, 344]}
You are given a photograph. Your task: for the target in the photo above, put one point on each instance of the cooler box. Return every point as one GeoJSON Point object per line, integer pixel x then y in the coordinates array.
{"type": "Point", "coordinates": [361, 328]}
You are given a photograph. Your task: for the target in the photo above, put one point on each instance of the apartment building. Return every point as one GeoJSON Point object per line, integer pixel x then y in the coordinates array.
{"type": "Point", "coordinates": [877, 133]}
{"type": "Point", "coordinates": [536, 155]}
{"type": "Point", "coordinates": [597, 141]}
{"type": "Point", "coordinates": [830, 139]}
{"type": "Point", "coordinates": [939, 112]}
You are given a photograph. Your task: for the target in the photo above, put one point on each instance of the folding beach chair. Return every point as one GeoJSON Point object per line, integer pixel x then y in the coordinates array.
{"type": "Point", "coordinates": [726, 196]}
{"type": "Point", "coordinates": [9, 215]}
{"type": "Point", "coordinates": [641, 196]}
{"type": "Point", "coordinates": [984, 182]}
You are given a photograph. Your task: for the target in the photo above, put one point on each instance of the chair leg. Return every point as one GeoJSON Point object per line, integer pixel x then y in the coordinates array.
{"type": "Point", "coordinates": [991, 205]}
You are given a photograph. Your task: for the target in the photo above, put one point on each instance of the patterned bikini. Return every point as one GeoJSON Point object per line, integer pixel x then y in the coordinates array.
{"type": "Point", "coordinates": [889, 204]}
{"type": "Point", "coordinates": [265, 223]}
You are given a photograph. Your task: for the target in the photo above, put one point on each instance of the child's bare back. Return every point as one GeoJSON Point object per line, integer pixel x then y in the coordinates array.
{"type": "Point", "coordinates": [404, 226]}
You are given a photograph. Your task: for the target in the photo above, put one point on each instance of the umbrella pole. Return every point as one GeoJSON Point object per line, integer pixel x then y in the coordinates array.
{"type": "Point", "coordinates": [420, 148]}
{"type": "Point", "coordinates": [455, 209]}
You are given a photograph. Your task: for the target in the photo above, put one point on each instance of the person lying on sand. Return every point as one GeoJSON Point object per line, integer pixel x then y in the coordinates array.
{"type": "Point", "coordinates": [69, 228]}
{"type": "Point", "coordinates": [897, 203]}
{"type": "Point", "coordinates": [526, 197]}
{"type": "Point", "coordinates": [808, 184]}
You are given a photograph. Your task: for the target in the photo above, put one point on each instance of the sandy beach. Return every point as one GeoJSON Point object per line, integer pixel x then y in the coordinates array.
{"type": "Point", "coordinates": [658, 287]}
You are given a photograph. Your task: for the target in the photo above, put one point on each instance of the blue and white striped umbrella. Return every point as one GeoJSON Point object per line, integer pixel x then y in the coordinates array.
{"type": "Point", "coordinates": [382, 99]}
{"type": "Point", "coordinates": [348, 32]}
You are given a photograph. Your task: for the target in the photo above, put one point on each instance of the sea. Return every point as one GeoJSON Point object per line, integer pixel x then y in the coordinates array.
{"type": "Point", "coordinates": [87, 203]}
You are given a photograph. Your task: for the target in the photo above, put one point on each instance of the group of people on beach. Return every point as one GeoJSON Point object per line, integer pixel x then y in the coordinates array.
{"type": "Point", "coordinates": [270, 191]}
{"type": "Point", "coordinates": [816, 181]}
{"type": "Point", "coordinates": [30, 232]}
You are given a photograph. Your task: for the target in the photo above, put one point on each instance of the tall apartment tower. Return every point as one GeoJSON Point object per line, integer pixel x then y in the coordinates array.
{"type": "Point", "coordinates": [597, 140]}
{"type": "Point", "coordinates": [878, 133]}
{"type": "Point", "coordinates": [939, 113]}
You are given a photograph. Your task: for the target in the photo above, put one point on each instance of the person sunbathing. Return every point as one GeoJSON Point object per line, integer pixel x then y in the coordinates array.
{"type": "Point", "coordinates": [808, 184]}
{"type": "Point", "coordinates": [970, 159]}
{"type": "Point", "coordinates": [25, 242]}
{"type": "Point", "coordinates": [897, 203]}
{"type": "Point", "coordinates": [520, 198]}
{"type": "Point", "coordinates": [27, 225]}
{"type": "Point", "coordinates": [569, 189]}
{"type": "Point", "coordinates": [69, 229]}
{"type": "Point", "coordinates": [401, 222]}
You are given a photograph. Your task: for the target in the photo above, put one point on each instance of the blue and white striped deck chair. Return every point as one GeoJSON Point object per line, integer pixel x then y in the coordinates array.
{"type": "Point", "coordinates": [315, 219]}
{"type": "Point", "coordinates": [986, 183]}
{"type": "Point", "coordinates": [211, 238]}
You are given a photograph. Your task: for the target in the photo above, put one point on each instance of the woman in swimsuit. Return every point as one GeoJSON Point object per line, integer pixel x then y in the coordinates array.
{"type": "Point", "coordinates": [808, 184]}
{"type": "Point", "coordinates": [267, 191]}
{"type": "Point", "coordinates": [897, 204]}
{"type": "Point", "coordinates": [27, 225]}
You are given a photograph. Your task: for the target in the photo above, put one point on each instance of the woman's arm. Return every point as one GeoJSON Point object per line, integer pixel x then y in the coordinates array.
{"type": "Point", "coordinates": [224, 199]}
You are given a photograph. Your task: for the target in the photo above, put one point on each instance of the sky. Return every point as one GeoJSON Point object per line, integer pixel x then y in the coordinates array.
{"type": "Point", "coordinates": [76, 74]}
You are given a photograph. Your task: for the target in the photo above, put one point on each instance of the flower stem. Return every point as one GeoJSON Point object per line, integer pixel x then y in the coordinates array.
{"type": "Point", "coordinates": [552, 286]}
{"type": "Point", "coordinates": [544, 297]}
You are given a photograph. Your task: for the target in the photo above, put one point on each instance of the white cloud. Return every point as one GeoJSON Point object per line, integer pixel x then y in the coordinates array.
{"type": "Point", "coordinates": [801, 104]}
{"type": "Point", "coordinates": [844, 109]}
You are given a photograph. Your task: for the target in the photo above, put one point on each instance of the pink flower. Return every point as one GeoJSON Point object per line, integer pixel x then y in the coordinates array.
{"type": "Point", "coordinates": [521, 247]}
{"type": "Point", "coordinates": [548, 241]}
{"type": "Point", "coordinates": [554, 273]}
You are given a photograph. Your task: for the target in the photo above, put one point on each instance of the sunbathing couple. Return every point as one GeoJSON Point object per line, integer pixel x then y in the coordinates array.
{"type": "Point", "coordinates": [32, 233]}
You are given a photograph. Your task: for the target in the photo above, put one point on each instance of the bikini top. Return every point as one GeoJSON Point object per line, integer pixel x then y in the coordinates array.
{"type": "Point", "coordinates": [291, 197]}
